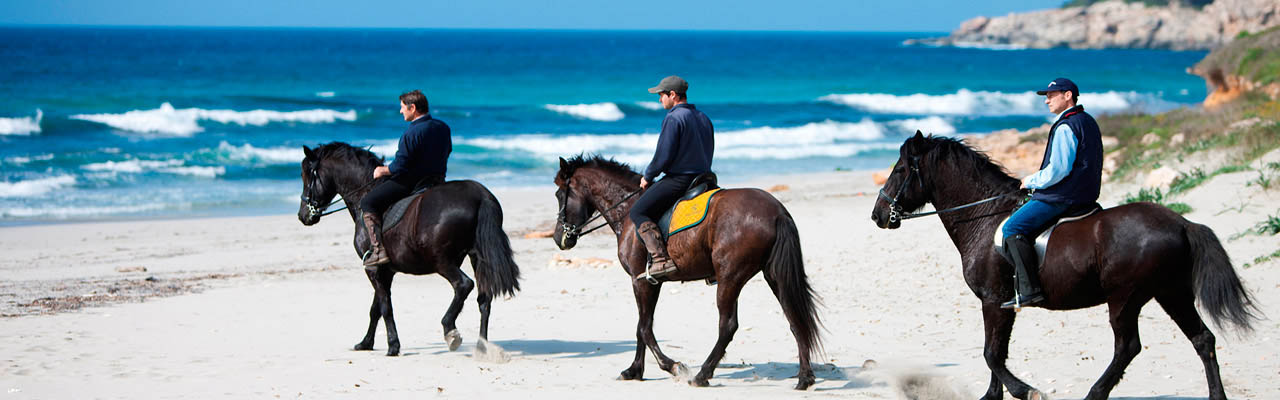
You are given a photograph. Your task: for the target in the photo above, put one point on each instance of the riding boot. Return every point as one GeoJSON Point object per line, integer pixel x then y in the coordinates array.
{"type": "Point", "coordinates": [657, 247]}
{"type": "Point", "coordinates": [1027, 270]}
{"type": "Point", "coordinates": [376, 255]}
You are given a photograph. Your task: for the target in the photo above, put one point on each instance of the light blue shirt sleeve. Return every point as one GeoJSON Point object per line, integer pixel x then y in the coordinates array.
{"type": "Point", "coordinates": [1063, 154]}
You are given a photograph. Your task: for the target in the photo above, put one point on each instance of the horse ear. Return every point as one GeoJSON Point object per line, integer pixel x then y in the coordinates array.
{"type": "Point", "coordinates": [307, 151]}
{"type": "Point", "coordinates": [919, 135]}
{"type": "Point", "coordinates": [563, 164]}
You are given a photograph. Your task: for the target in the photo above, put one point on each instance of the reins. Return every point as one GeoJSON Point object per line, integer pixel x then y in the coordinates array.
{"type": "Point", "coordinates": [317, 212]}
{"type": "Point", "coordinates": [897, 214]}
{"type": "Point", "coordinates": [571, 230]}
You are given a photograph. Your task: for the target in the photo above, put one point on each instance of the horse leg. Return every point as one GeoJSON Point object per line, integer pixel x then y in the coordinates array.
{"type": "Point", "coordinates": [998, 328]}
{"type": "Point", "coordinates": [482, 300]}
{"type": "Point", "coordinates": [1124, 324]}
{"type": "Point", "coordinates": [1182, 308]}
{"type": "Point", "coordinates": [382, 293]}
{"type": "Point", "coordinates": [727, 303]}
{"type": "Point", "coordinates": [462, 286]}
{"type": "Point", "coordinates": [806, 369]}
{"type": "Point", "coordinates": [375, 313]}
{"type": "Point", "coordinates": [646, 301]}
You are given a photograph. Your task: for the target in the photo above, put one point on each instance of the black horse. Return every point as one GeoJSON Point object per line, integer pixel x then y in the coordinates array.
{"type": "Point", "coordinates": [747, 231]}
{"type": "Point", "coordinates": [1123, 257]}
{"type": "Point", "coordinates": [450, 221]}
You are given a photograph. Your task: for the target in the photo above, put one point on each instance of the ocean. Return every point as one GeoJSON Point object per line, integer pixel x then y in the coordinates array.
{"type": "Point", "coordinates": [106, 123]}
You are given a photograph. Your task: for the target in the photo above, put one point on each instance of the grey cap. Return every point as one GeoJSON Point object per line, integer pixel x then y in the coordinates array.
{"type": "Point", "coordinates": [671, 83]}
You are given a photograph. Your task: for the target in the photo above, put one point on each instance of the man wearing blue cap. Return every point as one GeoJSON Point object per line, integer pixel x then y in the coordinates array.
{"type": "Point", "coordinates": [684, 151]}
{"type": "Point", "coordinates": [1070, 175]}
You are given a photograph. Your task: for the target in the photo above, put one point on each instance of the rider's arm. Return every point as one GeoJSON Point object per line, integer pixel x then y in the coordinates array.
{"type": "Point", "coordinates": [1062, 155]}
{"type": "Point", "coordinates": [666, 152]}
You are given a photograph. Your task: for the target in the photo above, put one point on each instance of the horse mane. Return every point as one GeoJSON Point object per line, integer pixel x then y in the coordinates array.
{"type": "Point", "coordinates": [348, 153]}
{"type": "Point", "coordinates": [595, 161]}
{"type": "Point", "coordinates": [944, 148]}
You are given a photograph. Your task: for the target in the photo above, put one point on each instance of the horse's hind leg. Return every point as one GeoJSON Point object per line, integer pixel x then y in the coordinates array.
{"type": "Point", "coordinates": [997, 329]}
{"type": "Point", "coordinates": [727, 302]}
{"type": "Point", "coordinates": [1124, 324]}
{"type": "Point", "coordinates": [1182, 308]}
{"type": "Point", "coordinates": [462, 286]}
{"type": "Point", "coordinates": [375, 313]}
{"type": "Point", "coordinates": [805, 374]}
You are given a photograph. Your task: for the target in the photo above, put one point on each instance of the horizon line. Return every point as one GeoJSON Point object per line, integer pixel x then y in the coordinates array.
{"type": "Point", "coordinates": [391, 28]}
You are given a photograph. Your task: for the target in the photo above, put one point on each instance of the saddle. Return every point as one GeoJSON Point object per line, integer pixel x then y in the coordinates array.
{"type": "Point", "coordinates": [1074, 213]}
{"type": "Point", "coordinates": [395, 213]}
{"type": "Point", "coordinates": [691, 209]}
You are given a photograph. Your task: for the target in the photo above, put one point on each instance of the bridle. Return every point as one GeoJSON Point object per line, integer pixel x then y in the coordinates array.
{"type": "Point", "coordinates": [572, 231]}
{"type": "Point", "coordinates": [895, 210]}
{"type": "Point", "coordinates": [314, 209]}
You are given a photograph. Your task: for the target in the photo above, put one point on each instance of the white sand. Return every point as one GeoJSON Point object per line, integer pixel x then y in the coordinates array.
{"type": "Point", "coordinates": [293, 300]}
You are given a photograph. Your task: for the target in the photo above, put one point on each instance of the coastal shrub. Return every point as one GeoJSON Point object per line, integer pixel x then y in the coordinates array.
{"type": "Point", "coordinates": [1144, 194]}
{"type": "Point", "coordinates": [1187, 180]}
{"type": "Point", "coordinates": [1269, 226]}
{"type": "Point", "coordinates": [1263, 258]}
{"type": "Point", "coordinates": [1180, 208]}
{"type": "Point", "coordinates": [1244, 33]}
{"type": "Point", "coordinates": [1263, 181]}
{"type": "Point", "coordinates": [1228, 169]}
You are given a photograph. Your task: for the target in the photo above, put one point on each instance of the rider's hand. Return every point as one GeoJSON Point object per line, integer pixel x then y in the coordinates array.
{"type": "Point", "coordinates": [381, 172]}
{"type": "Point", "coordinates": [644, 183]}
{"type": "Point", "coordinates": [1024, 182]}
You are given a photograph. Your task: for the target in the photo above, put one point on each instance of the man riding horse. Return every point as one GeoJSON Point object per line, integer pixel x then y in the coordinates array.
{"type": "Point", "coordinates": [420, 163]}
{"type": "Point", "coordinates": [1070, 175]}
{"type": "Point", "coordinates": [684, 152]}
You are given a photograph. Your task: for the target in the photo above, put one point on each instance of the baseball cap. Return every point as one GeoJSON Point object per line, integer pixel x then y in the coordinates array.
{"type": "Point", "coordinates": [671, 83]}
{"type": "Point", "coordinates": [1060, 85]}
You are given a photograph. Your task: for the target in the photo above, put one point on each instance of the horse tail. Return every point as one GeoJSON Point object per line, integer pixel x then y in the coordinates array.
{"type": "Point", "coordinates": [799, 302]}
{"type": "Point", "coordinates": [496, 272]}
{"type": "Point", "coordinates": [1220, 290]}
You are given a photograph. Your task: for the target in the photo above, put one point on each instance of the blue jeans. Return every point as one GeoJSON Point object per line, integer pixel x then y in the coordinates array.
{"type": "Point", "coordinates": [1032, 218]}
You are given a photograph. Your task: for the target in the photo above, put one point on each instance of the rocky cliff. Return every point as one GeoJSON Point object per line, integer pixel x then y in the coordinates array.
{"type": "Point", "coordinates": [1249, 64]}
{"type": "Point", "coordinates": [1117, 24]}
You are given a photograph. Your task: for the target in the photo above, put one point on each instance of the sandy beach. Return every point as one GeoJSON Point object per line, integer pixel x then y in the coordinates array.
{"type": "Point", "coordinates": [264, 307]}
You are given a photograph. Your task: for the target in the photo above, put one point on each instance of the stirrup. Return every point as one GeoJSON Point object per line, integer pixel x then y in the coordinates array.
{"type": "Point", "coordinates": [653, 280]}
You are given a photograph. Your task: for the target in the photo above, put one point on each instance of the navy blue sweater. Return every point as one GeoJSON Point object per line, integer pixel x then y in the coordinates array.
{"type": "Point", "coordinates": [423, 152]}
{"type": "Point", "coordinates": [685, 145]}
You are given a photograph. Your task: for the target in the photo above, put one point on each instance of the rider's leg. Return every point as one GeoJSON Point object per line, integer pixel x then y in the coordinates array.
{"type": "Point", "coordinates": [655, 201]}
{"type": "Point", "coordinates": [1019, 243]}
{"type": "Point", "coordinates": [371, 206]}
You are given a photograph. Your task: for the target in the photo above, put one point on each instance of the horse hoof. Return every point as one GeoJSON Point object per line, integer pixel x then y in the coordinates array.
{"type": "Point", "coordinates": [805, 383]}
{"type": "Point", "coordinates": [699, 382]}
{"type": "Point", "coordinates": [393, 352]}
{"type": "Point", "coordinates": [1036, 395]}
{"type": "Point", "coordinates": [363, 346]}
{"type": "Point", "coordinates": [679, 369]}
{"type": "Point", "coordinates": [454, 339]}
{"type": "Point", "coordinates": [631, 374]}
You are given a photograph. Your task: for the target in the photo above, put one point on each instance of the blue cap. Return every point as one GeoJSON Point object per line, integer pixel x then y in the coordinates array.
{"type": "Point", "coordinates": [1060, 85]}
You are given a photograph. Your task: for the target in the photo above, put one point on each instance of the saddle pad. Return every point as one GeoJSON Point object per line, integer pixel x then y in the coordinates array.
{"type": "Point", "coordinates": [1042, 241]}
{"type": "Point", "coordinates": [689, 213]}
{"type": "Point", "coordinates": [393, 215]}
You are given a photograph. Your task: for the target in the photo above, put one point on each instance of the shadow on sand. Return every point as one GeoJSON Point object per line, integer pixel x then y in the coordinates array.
{"type": "Point", "coordinates": [566, 349]}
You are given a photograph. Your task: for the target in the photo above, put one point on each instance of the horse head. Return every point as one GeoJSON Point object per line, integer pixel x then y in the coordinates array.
{"type": "Point", "coordinates": [906, 188]}
{"type": "Point", "coordinates": [318, 188]}
{"type": "Point", "coordinates": [575, 208]}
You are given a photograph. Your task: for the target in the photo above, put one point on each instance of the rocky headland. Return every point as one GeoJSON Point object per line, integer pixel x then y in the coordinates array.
{"type": "Point", "coordinates": [1117, 24]}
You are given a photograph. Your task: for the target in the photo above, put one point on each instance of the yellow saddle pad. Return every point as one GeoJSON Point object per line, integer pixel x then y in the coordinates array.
{"type": "Point", "coordinates": [690, 212]}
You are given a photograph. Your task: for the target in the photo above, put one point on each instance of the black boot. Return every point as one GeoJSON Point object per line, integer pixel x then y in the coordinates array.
{"type": "Point", "coordinates": [377, 255]}
{"type": "Point", "coordinates": [657, 248]}
{"type": "Point", "coordinates": [1026, 270]}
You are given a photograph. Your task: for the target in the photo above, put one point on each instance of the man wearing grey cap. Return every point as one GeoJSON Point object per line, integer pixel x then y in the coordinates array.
{"type": "Point", "coordinates": [1070, 176]}
{"type": "Point", "coordinates": [684, 151]}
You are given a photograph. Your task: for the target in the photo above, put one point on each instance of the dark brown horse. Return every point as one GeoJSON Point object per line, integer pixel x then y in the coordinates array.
{"type": "Point", "coordinates": [1123, 257]}
{"type": "Point", "coordinates": [450, 221]}
{"type": "Point", "coordinates": [746, 231]}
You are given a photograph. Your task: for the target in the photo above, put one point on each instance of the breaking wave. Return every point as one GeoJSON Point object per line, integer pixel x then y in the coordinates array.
{"type": "Point", "coordinates": [169, 121]}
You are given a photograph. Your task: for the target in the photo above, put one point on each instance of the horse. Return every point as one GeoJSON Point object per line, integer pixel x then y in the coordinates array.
{"type": "Point", "coordinates": [446, 223]}
{"type": "Point", "coordinates": [1123, 256]}
{"type": "Point", "coordinates": [746, 231]}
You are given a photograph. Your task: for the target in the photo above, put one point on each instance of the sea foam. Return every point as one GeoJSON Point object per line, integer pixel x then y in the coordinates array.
{"type": "Point", "coordinates": [967, 102]}
{"type": "Point", "coordinates": [169, 121]}
{"type": "Point", "coordinates": [176, 167]}
{"type": "Point", "coordinates": [250, 154]}
{"type": "Point", "coordinates": [598, 112]}
{"type": "Point", "coordinates": [35, 187]}
{"type": "Point", "coordinates": [21, 125]}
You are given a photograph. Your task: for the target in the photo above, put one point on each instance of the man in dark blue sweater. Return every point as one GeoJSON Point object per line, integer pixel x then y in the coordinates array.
{"type": "Point", "coordinates": [420, 162]}
{"type": "Point", "coordinates": [1070, 175]}
{"type": "Point", "coordinates": [684, 151]}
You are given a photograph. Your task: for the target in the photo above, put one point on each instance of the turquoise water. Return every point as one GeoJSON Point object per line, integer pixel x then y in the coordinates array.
{"type": "Point", "coordinates": [111, 123]}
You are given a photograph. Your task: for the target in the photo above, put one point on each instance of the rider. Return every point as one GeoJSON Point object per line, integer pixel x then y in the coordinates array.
{"type": "Point", "coordinates": [1070, 175]}
{"type": "Point", "coordinates": [684, 152]}
{"type": "Point", "coordinates": [420, 163]}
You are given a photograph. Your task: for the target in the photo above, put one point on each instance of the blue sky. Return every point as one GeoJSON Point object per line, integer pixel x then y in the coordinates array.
{"type": "Point", "coordinates": [807, 15]}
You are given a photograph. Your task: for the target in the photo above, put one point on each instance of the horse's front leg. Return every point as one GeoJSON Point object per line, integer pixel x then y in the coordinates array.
{"type": "Point", "coordinates": [375, 313]}
{"type": "Point", "coordinates": [727, 302]}
{"type": "Point", "coordinates": [646, 301]}
{"type": "Point", "coordinates": [462, 286]}
{"type": "Point", "coordinates": [382, 298]}
{"type": "Point", "coordinates": [998, 328]}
